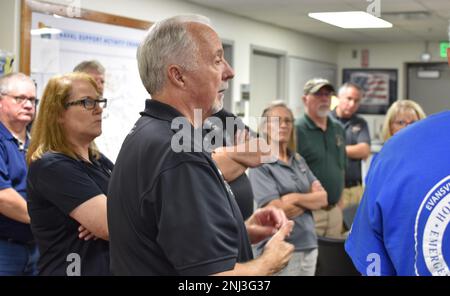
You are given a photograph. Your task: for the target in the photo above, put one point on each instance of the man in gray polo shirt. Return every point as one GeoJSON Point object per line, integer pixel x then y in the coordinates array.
{"type": "Point", "coordinates": [357, 139]}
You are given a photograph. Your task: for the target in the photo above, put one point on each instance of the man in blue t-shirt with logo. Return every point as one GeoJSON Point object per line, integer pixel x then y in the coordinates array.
{"type": "Point", "coordinates": [401, 224]}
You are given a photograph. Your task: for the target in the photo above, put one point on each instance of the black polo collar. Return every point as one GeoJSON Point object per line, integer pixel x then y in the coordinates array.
{"type": "Point", "coordinates": [154, 108]}
{"type": "Point", "coordinates": [335, 115]}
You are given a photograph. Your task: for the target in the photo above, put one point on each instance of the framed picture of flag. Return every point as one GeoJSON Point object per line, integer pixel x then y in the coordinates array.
{"type": "Point", "coordinates": [379, 85]}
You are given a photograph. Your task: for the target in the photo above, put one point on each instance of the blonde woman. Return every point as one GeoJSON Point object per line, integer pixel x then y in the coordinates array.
{"type": "Point", "coordinates": [290, 185]}
{"type": "Point", "coordinates": [401, 114]}
{"type": "Point", "coordinates": [68, 179]}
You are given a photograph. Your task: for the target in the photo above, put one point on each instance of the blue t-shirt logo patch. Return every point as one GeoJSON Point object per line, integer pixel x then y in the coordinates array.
{"type": "Point", "coordinates": [431, 234]}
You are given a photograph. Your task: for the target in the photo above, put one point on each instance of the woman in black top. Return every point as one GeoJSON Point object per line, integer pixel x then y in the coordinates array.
{"type": "Point", "coordinates": [68, 179]}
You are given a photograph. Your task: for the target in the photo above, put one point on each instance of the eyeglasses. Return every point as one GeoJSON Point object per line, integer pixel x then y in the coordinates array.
{"type": "Point", "coordinates": [21, 100]}
{"type": "Point", "coordinates": [403, 122]}
{"type": "Point", "coordinates": [287, 121]}
{"type": "Point", "coordinates": [88, 103]}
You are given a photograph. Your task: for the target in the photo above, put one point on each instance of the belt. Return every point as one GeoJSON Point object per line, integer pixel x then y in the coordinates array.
{"type": "Point", "coordinates": [352, 183]}
{"type": "Point", "coordinates": [329, 207]}
{"type": "Point", "coordinates": [15, 241]}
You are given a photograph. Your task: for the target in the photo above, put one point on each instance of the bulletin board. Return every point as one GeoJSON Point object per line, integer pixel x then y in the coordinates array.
{"type": "Point", "coordinates": [88, 35]}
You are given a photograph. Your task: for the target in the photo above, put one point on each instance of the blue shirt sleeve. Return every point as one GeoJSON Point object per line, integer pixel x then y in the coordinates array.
{"type": "Point", "coordinates": [5, 179]}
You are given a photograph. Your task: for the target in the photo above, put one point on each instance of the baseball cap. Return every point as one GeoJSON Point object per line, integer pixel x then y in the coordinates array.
{"type": "Point", "coordinates": [315, 84]}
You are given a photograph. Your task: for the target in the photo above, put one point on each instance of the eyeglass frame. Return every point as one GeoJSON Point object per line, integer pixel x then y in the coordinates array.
{"type": "Point", "coordinates": [403, 123]}
{"type": "Point", "coordinates": [21, 100]}
{"type": "Point", "coordinates": [287, 121]}
{"type": "Point", "coordinates": [82, 102]}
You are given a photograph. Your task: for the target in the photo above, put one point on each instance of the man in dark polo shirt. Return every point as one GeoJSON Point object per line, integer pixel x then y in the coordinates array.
{"type": "Point", "coordinates": [18, 252]}
{"type": "Point", "coordinates": [357, 140]}
{"type": "Point", "coordinates": [321, 141]}
{"type": "Point", "coordinates": [169, 210]}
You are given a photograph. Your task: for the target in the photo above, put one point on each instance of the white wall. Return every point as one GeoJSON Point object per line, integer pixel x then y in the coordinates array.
{"type": "Point", "coordinates": [10, 28]}
{"type": "Point", "coordinates": [241, 31]}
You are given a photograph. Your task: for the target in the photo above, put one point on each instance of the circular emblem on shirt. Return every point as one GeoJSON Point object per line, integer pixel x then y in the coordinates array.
{"type": "Point", "coordinates": [431, 234]}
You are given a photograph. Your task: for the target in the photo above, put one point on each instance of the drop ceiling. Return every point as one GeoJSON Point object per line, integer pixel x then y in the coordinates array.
{"type": "Point", "coordinates": [413, 20]}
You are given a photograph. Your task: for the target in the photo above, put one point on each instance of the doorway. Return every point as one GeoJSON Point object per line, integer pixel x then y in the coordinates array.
{"type": "Point", "coordinates": [429, 85]}
{"type": "Point", "coordinates": [266, 80]}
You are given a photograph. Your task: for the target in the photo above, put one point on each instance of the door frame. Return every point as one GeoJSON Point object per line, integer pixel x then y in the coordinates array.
{"type": "Point", "coordinates": [281, 55]}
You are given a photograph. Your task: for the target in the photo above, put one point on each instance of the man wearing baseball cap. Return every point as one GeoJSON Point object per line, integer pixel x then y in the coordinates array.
{"type": "Point", "coordinates": [321, 141]}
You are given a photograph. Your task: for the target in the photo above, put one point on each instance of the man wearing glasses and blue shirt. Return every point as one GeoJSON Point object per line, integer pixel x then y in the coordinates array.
{"type": "Point", "coordinates": [18, 252]}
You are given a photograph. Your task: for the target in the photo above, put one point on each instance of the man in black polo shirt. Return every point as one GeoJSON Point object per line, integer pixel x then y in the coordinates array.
{"type": "Point", "coordinates": [357, 139]}
{"type": "Point", "coordinates": [321, 142]}
{"type": "Point", "coordinates": [169, 210]}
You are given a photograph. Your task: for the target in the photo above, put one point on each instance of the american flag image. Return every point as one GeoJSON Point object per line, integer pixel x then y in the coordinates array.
{"type": "Point", "coordinates": [375, 85]}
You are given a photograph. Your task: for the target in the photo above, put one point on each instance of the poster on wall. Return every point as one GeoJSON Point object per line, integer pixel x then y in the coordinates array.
{"type": "Point", "coordinates": [6, 62]}
{"type": "Point", "coordinates": [58, 44]}
{"type": "Point", "coordinates": [379, 85]}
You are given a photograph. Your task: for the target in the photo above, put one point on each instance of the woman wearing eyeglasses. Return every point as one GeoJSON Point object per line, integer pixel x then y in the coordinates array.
{"type": "Point", "coordinates": [401, 114]}
{"type": "Point", "coordinates": [68, 179]}
{"type": "Point", "coordinates": [289, 185]}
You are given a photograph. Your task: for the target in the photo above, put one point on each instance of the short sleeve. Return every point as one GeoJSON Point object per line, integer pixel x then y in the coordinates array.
{"type": "Point", "coordinates": [309, 173]}
{"type": "Point", "coordinates": [106, 162]}
{"type": "Point", "coordinates": [365, 244]}
{"type": "Point", "coordinates": [263, 185]}
{"type": "Point", "coordinates": [196, 227]}
{"type": "Point", "coordinates": [5, 179]}
{"type": "Point", "coordinates": [342, 151]}
{"type": "Point", "coordinates": [64, 183]}
{"type": "Point", "coordinates": [364, 135]}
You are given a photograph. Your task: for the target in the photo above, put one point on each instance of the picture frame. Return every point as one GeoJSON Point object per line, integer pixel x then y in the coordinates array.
{"type": "Point", "coordinates": [380, 88]}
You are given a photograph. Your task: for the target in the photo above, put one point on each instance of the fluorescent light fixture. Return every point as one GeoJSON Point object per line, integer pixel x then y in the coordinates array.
{"type": "Point", "coordinates": [43, 31]}
{"type": "Point", "coordinates": [351, 19]}
{"type": "Point", "coordinates": [57, 16]}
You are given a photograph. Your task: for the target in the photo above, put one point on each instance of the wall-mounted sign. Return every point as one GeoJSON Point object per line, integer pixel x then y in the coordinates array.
{"type": "Point", "coordinates": [245, 91]}
{"type": "Point", "coordinates": [443, 48]}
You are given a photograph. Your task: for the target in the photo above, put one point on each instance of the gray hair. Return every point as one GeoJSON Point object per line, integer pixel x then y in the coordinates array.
{"type": "Point", "coordinates": [167, 42]}
{"type": "Point", "coordinates": [86, 66]}
{"type": "Point", "coordinates": [7, 81]}
{"type": "Point", "coordinates": [346, 85]}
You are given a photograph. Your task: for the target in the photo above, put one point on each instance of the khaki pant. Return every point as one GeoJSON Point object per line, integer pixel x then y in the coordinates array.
{"type": "Point", "coordinates": [329, 222]}
{"type": "Point", "coordinates": [301, 264]}
{"type": "Point", "coordinates": [351, 196]}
